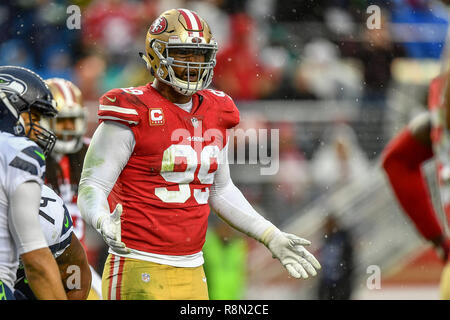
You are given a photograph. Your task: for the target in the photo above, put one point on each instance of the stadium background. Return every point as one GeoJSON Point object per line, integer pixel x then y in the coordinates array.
{"type": "Point", "coordinates": [336, 90]}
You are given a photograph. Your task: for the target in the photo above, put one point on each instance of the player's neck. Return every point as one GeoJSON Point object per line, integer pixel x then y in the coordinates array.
{"type": "Point", "coordinates": [170, 93]}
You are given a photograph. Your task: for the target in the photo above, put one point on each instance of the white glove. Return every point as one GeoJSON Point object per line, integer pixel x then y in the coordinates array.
{"type": "Point", "coordinates": [288, 248]}
{"type": "Point", "coordinates": [109, 227]}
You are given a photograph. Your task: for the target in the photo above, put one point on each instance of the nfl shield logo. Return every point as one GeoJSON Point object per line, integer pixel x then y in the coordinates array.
{"type": "Point", "coordinates": [194, 122]}
{"type": "Point", "coordinates": [145, 277]}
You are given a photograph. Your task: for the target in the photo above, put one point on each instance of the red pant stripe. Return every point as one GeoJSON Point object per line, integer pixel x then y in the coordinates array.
{"type": "Point", "coordinates": [119, 280]}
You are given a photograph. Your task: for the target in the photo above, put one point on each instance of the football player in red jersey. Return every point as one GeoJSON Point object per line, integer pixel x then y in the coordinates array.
{"type": "Point", "coordinates": [158, 161]}
{"type": "Point", "coordinates": [65, 162]}
{"type": "Point", "coordinates": [426, 136]}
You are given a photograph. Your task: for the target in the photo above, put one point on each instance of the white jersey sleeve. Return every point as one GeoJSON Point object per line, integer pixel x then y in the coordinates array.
{"type": "Point", "coordinates": [21, 160]}
{"type": "Point", "coordinates": [22, 166]}
{"type": "Point", "coordinates": [56, 222]}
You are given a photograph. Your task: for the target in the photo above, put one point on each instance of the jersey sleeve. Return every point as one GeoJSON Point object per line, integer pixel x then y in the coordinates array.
{"type": "Point", "coordinates": [402, 160]}
{"type": "Point", "coordinates": [65, 238]}
{"type": "Point", "coordinates": [119, 105]}
{"type": "Point", "coordinates": [56, 222]}
{"type": "Point", "coordinates": [25, 162]}
{"type": "Point", "coordinates": [229, 113]}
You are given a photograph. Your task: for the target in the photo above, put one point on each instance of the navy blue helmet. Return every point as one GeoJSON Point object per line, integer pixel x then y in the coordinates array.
{"type": "Point", "coordinates": [22, 90]}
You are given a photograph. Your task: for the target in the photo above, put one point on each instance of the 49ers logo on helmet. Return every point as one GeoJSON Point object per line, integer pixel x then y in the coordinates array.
{"type": "Point", "coordinates": [158, 26]}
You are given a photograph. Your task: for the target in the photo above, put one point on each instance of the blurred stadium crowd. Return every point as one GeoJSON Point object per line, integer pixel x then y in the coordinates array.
{"type": "Point", "coordinates": [270, 52]}
{"type": "Point", "coordinates": [292, 49]}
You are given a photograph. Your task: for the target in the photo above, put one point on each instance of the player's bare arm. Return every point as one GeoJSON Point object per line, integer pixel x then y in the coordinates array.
{"type": "Point", "coordinates": [43, 275]}
{"type": "Point", "coordinates": [40, 266]}
{"type": "Point", "coordinates": [75, 255]}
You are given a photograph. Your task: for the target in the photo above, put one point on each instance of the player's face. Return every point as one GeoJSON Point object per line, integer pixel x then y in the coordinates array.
{"type": "Point", "coordinates": [64, 124]}
{"type": "Point", "coordinates": [188, 55]}
{"type": "Point", "coordinates": [28, 119]}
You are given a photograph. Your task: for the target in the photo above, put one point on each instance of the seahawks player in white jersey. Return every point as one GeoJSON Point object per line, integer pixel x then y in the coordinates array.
{"type": "Point", "coordinates": [24, 98]}
{"type": "Point", "coordinates": [70, 256]}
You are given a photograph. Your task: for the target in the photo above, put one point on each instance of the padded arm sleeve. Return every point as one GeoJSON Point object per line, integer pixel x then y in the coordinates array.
{"type": "Point", "coordinates": [111, 146]}
{"type": "Point", "coordinates": [232, 207]}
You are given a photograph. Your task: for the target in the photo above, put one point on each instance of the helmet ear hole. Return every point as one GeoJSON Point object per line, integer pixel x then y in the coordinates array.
{"type": "Point", "coordinates": [18, 130]}
{"type": "Point", "coordinates": [14, 98]}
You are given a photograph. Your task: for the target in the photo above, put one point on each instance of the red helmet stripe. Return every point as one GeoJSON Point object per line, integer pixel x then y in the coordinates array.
{"type": "Point", "coordinates": [72, 93]}
{"type": "Point", "coordinates": [199, 24]}
{"type": "Point", "coordinates": [69, 97]}
{"type": "Point", "coordinates": [186, 18]}
{"type": "Point", "coordinates": [192, 22]}
{"type": "Point", "coordinates": [60, 89]}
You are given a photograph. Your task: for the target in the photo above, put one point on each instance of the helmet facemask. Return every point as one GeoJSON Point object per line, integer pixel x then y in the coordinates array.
{"type": "Point", "coordinates": [203, 70]}
{"type": "Point", "coordinates": [45, 107]}
{"type": "Point", "coordinates": [44, 138]}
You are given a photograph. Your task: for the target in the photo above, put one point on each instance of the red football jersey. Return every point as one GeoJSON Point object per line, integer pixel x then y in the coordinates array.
{"type": "Point", "coordinates": [70, 200]}
{"type": "Point", "coordinates": [164, 187]}
{"type": "Point", "coordinates": [65, 168]}
{"type": "Point", "coordinates": [441, 146]}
